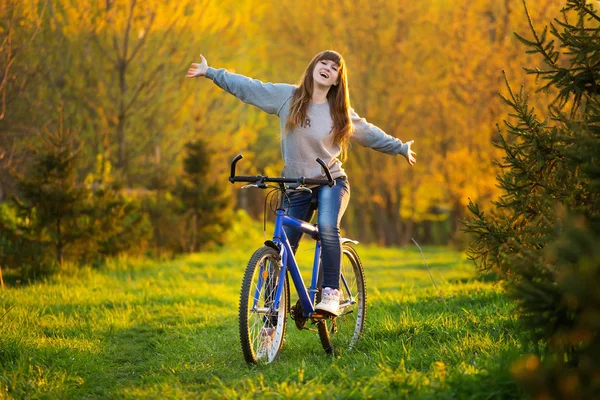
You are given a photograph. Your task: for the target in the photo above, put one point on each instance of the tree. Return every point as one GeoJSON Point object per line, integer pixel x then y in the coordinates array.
{"type": "Point", "coordinates": [19, 26]}
{"type": "Point", "coordinates": [116, 66]}
{"type": "Point", "coordinates": [204, 205]}
{"type": "Point", "coordinates": [129, 58]}
{"type": "Point", "coordinates": [544, 233]}
{"type": "Point", "coordinates": [49, 199]}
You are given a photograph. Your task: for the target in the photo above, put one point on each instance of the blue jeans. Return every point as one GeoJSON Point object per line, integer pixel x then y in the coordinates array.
{"type": "Point", "coordinates": [331, 203]}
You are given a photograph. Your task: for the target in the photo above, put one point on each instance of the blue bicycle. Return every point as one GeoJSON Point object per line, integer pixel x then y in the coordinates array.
{"type": "Point", "coordinates": [265, 294]}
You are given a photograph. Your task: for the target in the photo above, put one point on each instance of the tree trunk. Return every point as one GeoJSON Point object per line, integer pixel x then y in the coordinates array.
{"type": "Point", "coordinates": [361, 226]}
{"type": "Point", "coordinates": [121, 145]}
{"type": "Point", "coordinates": [392, 220]}
{"type": "Point", "coordinates": [457, 215]}
{"type": "Point", "coordinates": [121, 120]}
{"type": "Point", "coordinates": [409, 226]}
{"type": "Point", "coordinates": [427, 232]}
{"type": "Point", "coordinates": [243, 200]}
{"type": "Point", "coordinates": [194, 238]}
{"type": "Point", "coordinates": [379, 225]}
{"type": "Point", "coordinates": [59, 244]}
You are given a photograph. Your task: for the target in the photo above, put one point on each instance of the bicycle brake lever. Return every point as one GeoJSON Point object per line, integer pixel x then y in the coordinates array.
{"type": "Point", "coordinates": [251, 185]}
{"type": "Point", "coordinates": [258, 186]}
{"type": "Point", "coordinates": [301, 189]}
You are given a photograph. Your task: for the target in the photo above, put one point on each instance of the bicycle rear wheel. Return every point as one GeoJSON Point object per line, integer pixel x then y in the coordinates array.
{"type": "Point", "coordinates": [342, 332]}
{"type": "Point", "coordinates": [262, 327]}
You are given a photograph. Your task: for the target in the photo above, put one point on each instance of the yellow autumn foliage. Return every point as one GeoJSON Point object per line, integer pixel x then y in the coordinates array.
{"type": "Point", "coordinates": [429, 70]}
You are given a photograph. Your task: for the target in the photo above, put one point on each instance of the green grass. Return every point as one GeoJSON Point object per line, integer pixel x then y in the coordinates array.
{"type": "Point", "coordinates": [169, 330]}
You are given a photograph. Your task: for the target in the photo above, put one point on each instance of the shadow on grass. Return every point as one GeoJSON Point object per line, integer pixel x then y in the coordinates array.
{"type": "Point", "coordinates": [134, 361]}
{"type": "Point", "coordinates": [83, 309]}
{"type": "Point", "coordinates": [143, 357]}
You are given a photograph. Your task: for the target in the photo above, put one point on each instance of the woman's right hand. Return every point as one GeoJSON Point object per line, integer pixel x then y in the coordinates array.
{"type": "Point", "coordinates": [198, 69]}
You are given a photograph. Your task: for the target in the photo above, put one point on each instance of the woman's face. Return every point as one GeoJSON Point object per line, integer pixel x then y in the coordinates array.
{"type": "Point", "coordinates": [326, 73]}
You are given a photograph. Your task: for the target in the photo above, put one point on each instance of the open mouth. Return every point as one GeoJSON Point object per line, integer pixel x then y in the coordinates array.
{"type": "Point", "coordinates": [324, 75]}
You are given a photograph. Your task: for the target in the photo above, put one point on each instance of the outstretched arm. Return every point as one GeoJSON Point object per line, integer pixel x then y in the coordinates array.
{"type": "Point", "coordinates": [368, 135]}
{"type": "Point", "coordinates": [268, 97]}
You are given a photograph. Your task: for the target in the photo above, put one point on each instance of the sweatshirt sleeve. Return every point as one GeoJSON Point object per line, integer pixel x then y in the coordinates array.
{"type": "Point", "coordinates": [368, 135]}
{"type": "Point", "coordinates": [269, 97]}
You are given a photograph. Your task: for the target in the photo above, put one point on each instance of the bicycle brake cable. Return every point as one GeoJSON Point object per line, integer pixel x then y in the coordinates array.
{"type": "Point", "coordinates": [265, 211]}
{"type": "Point", "coordinates": [265, 216]}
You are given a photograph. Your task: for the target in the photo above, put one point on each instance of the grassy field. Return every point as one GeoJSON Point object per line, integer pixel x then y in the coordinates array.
{"type": "Point", "coordinates": [169, 330]}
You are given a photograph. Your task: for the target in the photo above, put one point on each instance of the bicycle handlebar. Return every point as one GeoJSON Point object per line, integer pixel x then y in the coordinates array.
{"type": "Point", "coordinates": [261, 180]}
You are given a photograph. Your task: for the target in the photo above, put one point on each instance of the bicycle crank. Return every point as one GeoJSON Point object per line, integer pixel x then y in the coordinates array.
{"type": "Point", "coordinates": [297, 314]}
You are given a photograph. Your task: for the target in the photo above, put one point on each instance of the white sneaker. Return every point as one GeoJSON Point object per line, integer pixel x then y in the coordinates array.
{"type": "Point", "coordinates": [330, 301]}
{"type": "Point", "coordinates": [267, 336]}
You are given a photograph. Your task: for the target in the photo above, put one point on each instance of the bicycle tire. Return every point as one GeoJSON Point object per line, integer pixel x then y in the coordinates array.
{"type": "Point", "coordinates": [259, 343]}
{"type": "Point", "coordinates": [342, 333]}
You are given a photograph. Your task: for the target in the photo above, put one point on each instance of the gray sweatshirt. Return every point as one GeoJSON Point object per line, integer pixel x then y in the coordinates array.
{"type": "Point", "coordinates": [302, 145]}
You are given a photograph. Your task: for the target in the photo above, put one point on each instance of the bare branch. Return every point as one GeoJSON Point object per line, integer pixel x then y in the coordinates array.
{"type": "Point", "coordinates": [144, 85]}
{"type": "Point", "coordinates": [143, 39]}
{"type": "Point", "coordinates": [127, 30]}
{"type": "Point", "coordinates": [104, 51]}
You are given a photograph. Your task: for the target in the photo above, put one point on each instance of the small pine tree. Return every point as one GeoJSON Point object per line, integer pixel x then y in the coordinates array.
{"type": "Point", "coordinates": [49, 199]}
{"type": "Point", "coordinates": [543, 236]}
{"type": "Point", "coordinates": [204, 204]}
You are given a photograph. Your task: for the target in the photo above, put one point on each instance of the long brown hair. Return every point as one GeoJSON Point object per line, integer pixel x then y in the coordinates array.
{"type": "Point", "coordinates": [338, 98]}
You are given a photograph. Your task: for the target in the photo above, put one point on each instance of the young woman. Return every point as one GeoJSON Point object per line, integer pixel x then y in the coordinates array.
{"type": "Point", "coordinates": [316, 121]}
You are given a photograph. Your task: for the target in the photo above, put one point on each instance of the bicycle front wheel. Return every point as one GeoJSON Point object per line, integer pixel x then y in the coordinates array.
{"type": "Point", "coordinates": [262, 323]}
{"type": "Point", "coordinates": [342, 332]}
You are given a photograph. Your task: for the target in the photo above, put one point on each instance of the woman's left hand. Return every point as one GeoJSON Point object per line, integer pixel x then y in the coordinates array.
{"type": "Point", "coordinates": [410, 155]}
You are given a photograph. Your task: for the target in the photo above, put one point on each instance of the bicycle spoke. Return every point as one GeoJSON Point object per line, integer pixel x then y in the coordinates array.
{"type": "Point", "coordinates": [261, 326]}
{"type": "Point", "coordinates": [342, 332]}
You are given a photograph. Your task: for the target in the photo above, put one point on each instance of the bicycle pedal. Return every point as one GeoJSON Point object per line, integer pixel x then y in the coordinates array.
{"type": "Point", "coordinates": [324, 315]}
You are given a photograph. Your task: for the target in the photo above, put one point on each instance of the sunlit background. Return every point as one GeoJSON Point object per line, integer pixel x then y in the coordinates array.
{"type": "Point", "coordinates": [111, 73]}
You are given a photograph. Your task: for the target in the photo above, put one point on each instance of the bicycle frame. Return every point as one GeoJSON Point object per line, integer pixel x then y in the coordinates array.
{"type": "Point", "coordinates": [307, 298]}
{"type": "Point", "coordinates": [288, 262]}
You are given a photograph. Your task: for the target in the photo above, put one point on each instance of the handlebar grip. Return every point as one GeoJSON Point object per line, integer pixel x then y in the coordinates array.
{"type": "Point", "coordinates": [327, 172]}
{"type": "Point", "coordinates": [233, 162]}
